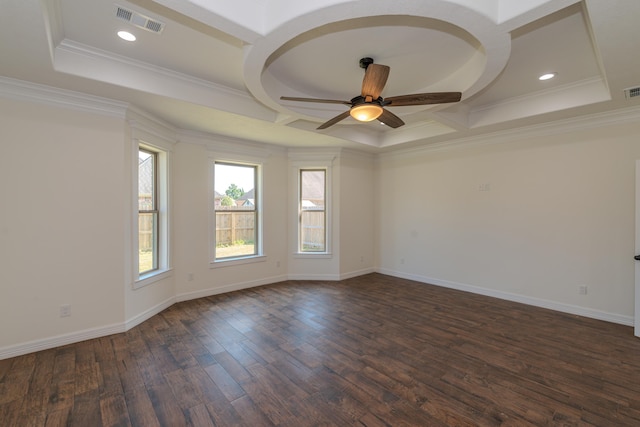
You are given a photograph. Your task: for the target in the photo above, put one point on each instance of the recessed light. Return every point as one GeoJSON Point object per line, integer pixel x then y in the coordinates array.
{"type": "Point", "coordinates": [126, 35]}
{"type": "Point", "coordinates": [547, 76]}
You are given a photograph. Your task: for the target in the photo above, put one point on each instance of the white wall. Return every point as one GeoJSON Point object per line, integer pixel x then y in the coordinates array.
{"type": "Point", "coordinates": [192, 203]}
{"type": "Point", "coordinates": [61, 221]}
{"type": "Point", "coordinates": [356, 204]}
{"type": "Point", "coordinates": [66, 185]}
{"type": "Point", "coordinates": [558, 213]}
{"type": "Point", "coordinates": [141, 302]}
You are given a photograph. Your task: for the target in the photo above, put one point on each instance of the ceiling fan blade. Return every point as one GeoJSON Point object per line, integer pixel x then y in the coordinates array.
{"type": "Point", "coordinates": [423, 99]}
{"type": "Point", "coordinates": [335, 120]}
{"type": "Point", "coordinates": [374, 80]}
{"type": "Point", "coordinates": [325, 101]}
{"type": "Point", "coordinates": [390, 119]}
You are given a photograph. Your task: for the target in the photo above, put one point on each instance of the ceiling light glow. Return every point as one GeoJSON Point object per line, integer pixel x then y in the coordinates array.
{"type": "Point", "coordinates": [547, 76]}
{"type": "Point", "coordinates": [366, 112]}
{"type": "Point", "coordinates": [126, 35]}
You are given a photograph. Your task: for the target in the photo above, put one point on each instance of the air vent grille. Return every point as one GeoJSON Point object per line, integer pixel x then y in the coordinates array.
{"type": "Point", "coordinates": [632, 92]}
{"type": "Point", "coordinates": [139, 20]}
{"type": "Point", "coordinates": [124, 14]}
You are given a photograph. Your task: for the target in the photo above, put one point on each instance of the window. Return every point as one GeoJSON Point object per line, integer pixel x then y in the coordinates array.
{"type": "Point", "coordinates": [147, 211]}
{"type": "Point", "coordinates": [150, 243]}
{"type": "Point", "coordinates": [237, 224]}
{"type": "Point", "coordinates": [312, 212]}
{"type": "Point", "coordinates": [150, 249]}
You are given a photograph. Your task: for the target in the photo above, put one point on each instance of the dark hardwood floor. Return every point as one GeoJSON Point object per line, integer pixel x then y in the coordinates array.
{"type": "Point", "coordinates": [370, 351]}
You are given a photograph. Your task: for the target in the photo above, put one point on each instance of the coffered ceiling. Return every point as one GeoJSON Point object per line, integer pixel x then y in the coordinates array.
{"type": "Point", "coordinates": [221, 67]}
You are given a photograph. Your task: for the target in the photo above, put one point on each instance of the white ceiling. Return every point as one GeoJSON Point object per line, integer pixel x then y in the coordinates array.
{"type": "Point", "coordinates": [221, 67]}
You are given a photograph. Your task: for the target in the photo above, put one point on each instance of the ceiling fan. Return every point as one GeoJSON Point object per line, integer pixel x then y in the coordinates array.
{"type": "Point", "coordinates": [369, 105]}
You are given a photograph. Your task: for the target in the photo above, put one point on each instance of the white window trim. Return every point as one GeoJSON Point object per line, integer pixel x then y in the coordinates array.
{"type": "Point", "coordinates": [239, 160]}
{"type": "Point", "coordinates": [164, 260]}
{"type": "Point", "coordinates": [230, 262]}
{"type": "Point", "coordinates": [304, 161]}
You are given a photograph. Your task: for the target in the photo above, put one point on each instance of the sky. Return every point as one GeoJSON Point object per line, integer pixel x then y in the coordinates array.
{"type": "Point", "coordinates": [226, 175]}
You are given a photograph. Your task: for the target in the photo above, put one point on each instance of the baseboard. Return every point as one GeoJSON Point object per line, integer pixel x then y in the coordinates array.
{"type": "Point", "coordinates": [326, 277]}
{"type": "Point", "coordinates": [357, 273]}
{"type": "Point", "coordinates": [59, 340]}
{"type": "Point", "coordinates": [536, 302]}
{"type": "Point", "coordinates": [87, 334]}
{"type": "Point", "coordinates": [148, 314]}
{"type": "Point", "coordinates": [186, 296]}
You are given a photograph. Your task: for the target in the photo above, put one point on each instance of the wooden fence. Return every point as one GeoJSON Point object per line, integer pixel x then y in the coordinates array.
{"type": "Point", "coordinates": [232, 227]}
{"type": "Point", "coordinates": [145, 232]}
{"type": "Point", "coordinates": [313, 234]}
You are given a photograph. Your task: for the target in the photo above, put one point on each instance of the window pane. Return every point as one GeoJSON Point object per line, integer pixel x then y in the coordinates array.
{"type": "Point", "coordinates": [312, 231]}
{"type": "Point", "coordinates": [147, 242]}
{"type": "Point", "coordinates": [147, 212]}
{"type": "Point", "coordinates": [235, 187]}
{"type": "Point", "coordinates": [312, 189]}
{"type": "Point", "coordinates": [235, 234]}
{"type": "Point", "coordinates": [312, 215]}
{"type": "Point", "coordinates": [235, 206]}
{"type": "Point", "coordinates": [146, 181]}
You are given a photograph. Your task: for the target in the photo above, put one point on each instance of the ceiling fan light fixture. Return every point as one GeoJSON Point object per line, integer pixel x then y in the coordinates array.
{"type": "Point", "coordinates": [366, 112]}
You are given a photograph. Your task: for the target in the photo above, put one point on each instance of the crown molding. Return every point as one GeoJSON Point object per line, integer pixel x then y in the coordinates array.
{"type": "Point", "coordinates": [82, 60]}
{"type": "Point", "coordinates": [21, 90]}
{"type": "Point", "coordinates": [586, 122]}
{"type": "Point", "coordinates": [93, 53]}
{"type": "Point", "coordinates": [144, 124]}
{"type": "Point", "coordinates": [572, 95]}
{"type": "Point", "coordinates": [317, 154]}
{"type": "Point", "coordinates": [224, 146]}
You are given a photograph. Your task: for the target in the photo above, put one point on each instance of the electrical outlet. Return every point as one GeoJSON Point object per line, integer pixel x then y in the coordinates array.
{"type": "Point", "coordinates": [582, 289]}
{"type": "Point", "coordinates": [190, 277]}
{"type": "Point", "coordinates": [65, 310]}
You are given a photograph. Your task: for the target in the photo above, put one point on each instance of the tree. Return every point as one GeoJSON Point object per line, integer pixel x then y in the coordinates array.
{"type": "Point", "coordinates": [234, 192]}
{"type": "Point", "coordinates": [226, 201]}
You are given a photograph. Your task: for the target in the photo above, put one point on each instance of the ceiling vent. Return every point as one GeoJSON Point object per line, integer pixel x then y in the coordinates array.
{"type": "Point", "coordinates": [632, 92]}
{"type": "Point", "coordinates": [139, 20]}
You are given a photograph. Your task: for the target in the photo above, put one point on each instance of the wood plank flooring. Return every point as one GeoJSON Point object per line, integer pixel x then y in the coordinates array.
{"type": "Point", "coordinates": [369, 351]}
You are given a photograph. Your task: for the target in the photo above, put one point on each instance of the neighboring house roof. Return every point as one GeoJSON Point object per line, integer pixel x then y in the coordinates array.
{"type": "Point", "coordinates": [145, 175]}
{"type": "Point", "coordinates": [313, 186]}
{"type": "Point", "coordinates": [249, 195]}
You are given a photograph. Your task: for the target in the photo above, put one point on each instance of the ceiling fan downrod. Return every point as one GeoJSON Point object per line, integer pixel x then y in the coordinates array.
{"type": "Point", "coordinates": [365, 62]}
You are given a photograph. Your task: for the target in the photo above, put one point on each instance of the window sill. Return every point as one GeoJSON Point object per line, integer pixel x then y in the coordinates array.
{"type": "Point", "coordinates": [152, 277]}
{"type": "Point", "coordinates": [315, 255]}
{"type": "Point", "coordinates": [230, 262]}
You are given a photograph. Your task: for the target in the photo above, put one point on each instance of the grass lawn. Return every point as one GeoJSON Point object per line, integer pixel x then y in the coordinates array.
{"type": "Point", "coordinates": [234, 250]}
{"type": "Point", "coordinates": [145, 260]}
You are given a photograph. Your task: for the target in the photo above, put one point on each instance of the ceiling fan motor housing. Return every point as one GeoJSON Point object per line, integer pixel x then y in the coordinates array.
{"type": "Point", "coordinates": [361, 100]}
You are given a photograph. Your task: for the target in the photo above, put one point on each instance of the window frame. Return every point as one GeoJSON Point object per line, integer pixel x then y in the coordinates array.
{"type": "Point", "coordinates": [300, 233]}
{"type": "Point", "coordinates": [258, 255]}
{"type": "Point", "coordinates": [155, 212]}
{"type": "Point", "coordinates": [161, 198]}
{"type": "Point", "coordinates": [311, 159]}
